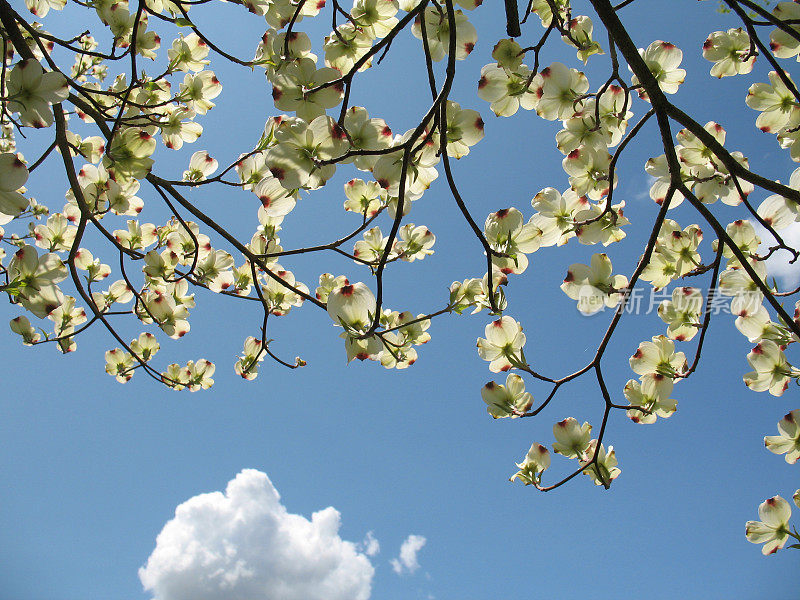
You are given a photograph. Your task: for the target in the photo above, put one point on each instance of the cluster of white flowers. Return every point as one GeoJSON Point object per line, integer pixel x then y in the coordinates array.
{"type": "Point", "coordinates": [158, 269]}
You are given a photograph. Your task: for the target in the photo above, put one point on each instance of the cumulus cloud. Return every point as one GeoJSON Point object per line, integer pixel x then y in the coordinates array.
{"type": "Point", "coordinates": [245, 545]}
{"type": "Point", "coordinates": [370, 546]}
{"type": "Point", "coordinates": [778, 264]}
{"type": "Point", "coordinates": [407, 561]}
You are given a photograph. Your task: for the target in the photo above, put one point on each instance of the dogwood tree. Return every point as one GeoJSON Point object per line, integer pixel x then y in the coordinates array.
{"type": "Point", "coordinates": [100, 110]}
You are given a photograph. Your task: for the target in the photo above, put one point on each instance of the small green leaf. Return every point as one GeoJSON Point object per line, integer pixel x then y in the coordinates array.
{"type": "Point", "coordinates": [183, 22]}
{"type": "Point", "coordinates": [13, 287]}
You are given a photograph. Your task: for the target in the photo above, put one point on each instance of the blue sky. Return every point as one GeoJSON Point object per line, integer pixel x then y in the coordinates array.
{"type": "Point", "coordinates": [93, 470]}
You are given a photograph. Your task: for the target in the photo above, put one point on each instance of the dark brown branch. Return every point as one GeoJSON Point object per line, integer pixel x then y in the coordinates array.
{"type": "Point", "coordinates": [512, 19]}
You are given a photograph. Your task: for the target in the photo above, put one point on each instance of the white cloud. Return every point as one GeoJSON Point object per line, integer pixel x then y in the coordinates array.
{"type": "Point", "coordinates": [778, 264]}
{"type": "Point", "coordinates": [245, 545]}
{"type": "Point", "coordinates": [407, 561]}
{"type": "Point", "coordinates": [644, 193]}
{"type": "Point", "coordinates": [370, 546]}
